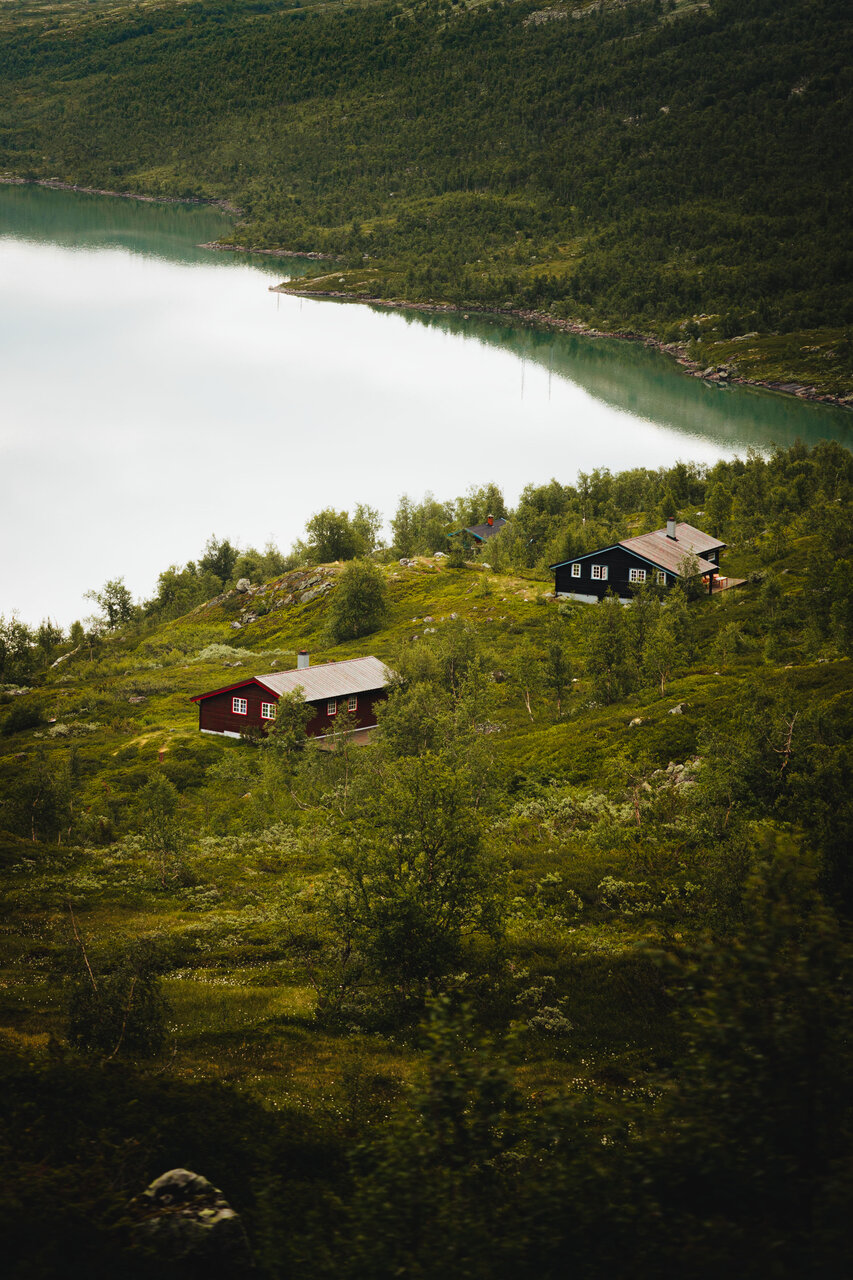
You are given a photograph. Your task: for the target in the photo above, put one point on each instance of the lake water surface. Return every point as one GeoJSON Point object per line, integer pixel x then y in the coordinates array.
{"type": "Point", "coordinates": [154, 392]}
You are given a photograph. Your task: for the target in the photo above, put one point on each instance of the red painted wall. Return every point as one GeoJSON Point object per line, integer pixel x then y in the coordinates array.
{"type": "Point", "coordinates": [365, 715]}
{"type": "Point", "coordinates": [215, 712]}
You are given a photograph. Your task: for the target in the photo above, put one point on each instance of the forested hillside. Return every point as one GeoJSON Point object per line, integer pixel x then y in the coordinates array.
{"type": "Point", "coordinates": [680, 170]}
{"type": "Point", "coordinates": [554, 973]}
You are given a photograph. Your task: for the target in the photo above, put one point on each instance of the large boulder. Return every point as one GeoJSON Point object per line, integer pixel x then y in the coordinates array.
{"type": "Point", "coordinates": [185, 1219]}
{"type": "Point", "coordinates": [314, 591]}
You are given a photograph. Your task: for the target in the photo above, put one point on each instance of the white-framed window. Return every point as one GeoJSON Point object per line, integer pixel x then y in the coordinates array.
{"type": "Point", "coordinates": [576, 571]}
{"type": "Point", "coordinates": [661, 577]}
{"type": "Point", "coordinates": [636, 575]}
{"type": "Point", "coordinates": [240, 706]}
{"type": "Point", "coordinates": [352, 703]}
{"type": "Point", "coordinates": [599, 571]}
{"type": "Point", "coordinates": [332, 707]}
{"type": "Point", "coordinates": [268, 710]}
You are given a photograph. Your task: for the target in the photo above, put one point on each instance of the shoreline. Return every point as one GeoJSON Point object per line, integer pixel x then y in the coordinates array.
{"type": "Point", "coordinates": [720, 375]}
{"type": "Point", "coordinates": [59, 184]}
{"type": "Point", "coordinates": [314, 255]}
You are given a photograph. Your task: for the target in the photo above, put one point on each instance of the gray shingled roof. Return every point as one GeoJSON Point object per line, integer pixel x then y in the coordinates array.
{"type": "Point", "coordinates": [485, 530]}
{"type": "Point", "coordinates": [330, 679]}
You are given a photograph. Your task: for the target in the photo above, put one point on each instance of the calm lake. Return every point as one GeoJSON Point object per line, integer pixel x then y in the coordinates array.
{"type": "Point", "coordinates": [154, 392]}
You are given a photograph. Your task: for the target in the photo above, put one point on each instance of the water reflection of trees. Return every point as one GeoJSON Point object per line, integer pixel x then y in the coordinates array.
{"type": "Point", "coordinates": [646, 383]}
{"type": "Point", "coordinates": [76, 220]}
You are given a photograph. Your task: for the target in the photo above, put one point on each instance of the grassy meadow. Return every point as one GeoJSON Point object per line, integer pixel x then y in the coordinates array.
{"type": "Point", "coordinates": [235, 956]}
{"type": "Point", "coordinates": [242, 996]}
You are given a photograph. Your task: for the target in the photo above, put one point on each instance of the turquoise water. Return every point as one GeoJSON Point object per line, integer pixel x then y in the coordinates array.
{"type": "Point", "coordinates": [155, 392]}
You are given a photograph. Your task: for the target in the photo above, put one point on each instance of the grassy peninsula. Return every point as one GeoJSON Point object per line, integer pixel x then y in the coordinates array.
{"type": "Point", "coordinates": [674, 170]}
{"type": "Point", "coordinates": [553, 973]}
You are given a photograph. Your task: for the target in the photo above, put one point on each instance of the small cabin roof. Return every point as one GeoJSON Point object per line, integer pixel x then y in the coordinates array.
{"type": "Point", "coordinates": [482, 532]}
{"type": "Point", "coordinates": [328, 680]}
{"type": "Point", "coordinates": [485, 530]}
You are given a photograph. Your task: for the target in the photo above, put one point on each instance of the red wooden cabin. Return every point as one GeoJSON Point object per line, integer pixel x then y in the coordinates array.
{"type": "Point", "coordinates": [354, 686]}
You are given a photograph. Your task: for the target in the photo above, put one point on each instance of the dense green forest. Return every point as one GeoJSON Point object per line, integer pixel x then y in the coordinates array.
{"type": "Point", "coordinates": [551, 977]}
{"type": "Point", "coordinates": [676, 169]}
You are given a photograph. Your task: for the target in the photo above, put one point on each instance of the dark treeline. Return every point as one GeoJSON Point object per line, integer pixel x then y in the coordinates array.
{"type": "Point", "coordinates": [684, 173]}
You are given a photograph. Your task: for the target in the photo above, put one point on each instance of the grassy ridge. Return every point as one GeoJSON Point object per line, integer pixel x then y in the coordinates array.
{"type": "Point", "coordinates": [678, 170]}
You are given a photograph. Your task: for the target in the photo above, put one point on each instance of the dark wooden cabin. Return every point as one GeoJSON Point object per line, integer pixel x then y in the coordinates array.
{"type": "Point", "coordinates": [354, 686]}
{"type": "Point", "coordinates": [658, 557]}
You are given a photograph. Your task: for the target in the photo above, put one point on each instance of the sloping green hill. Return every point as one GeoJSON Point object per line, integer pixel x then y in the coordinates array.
{"type": "Point", "coordinates": [573, 929]}
{"type": "Point", "coordinates": [676, 169]}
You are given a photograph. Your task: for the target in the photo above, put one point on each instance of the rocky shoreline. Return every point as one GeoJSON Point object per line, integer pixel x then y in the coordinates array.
{"type": "Point", "coordinates": [272, 253]}
{"type": "Point", "coordinates": [719, 374]}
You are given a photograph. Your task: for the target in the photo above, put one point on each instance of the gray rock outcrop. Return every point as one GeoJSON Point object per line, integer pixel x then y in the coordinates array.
{"type": "Point", "coordinates": [184, 1218]}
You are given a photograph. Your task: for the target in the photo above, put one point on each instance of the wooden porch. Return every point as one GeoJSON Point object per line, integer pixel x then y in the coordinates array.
{"type": "Point", "coordinates": [720, 582]}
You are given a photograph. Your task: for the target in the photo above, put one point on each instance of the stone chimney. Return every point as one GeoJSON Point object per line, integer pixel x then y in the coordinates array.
{"type": "Point", "coordinates": [490, 519]}
{"type": "Point", "coordinates": [670, 527]}
{"type": "Point", "coordinates": [303, 659]}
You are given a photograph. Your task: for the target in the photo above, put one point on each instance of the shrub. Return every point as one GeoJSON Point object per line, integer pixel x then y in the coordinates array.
{"type": "Point", "coordinates": [23, 715]}
{"type": "Point", "coordinates": [120, 1008]}
{"type": "Point", "coordinates": [359, 605]}
{"type": "Point", "coordinates": [221, 653]}
{"type": "Point", "coordinates": [456, 556]}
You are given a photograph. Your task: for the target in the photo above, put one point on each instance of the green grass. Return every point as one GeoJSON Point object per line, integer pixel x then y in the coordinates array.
{"type": "Point", "coordinates": [817, 358]}
{"type": "Point", "coordinates": [238, 934]}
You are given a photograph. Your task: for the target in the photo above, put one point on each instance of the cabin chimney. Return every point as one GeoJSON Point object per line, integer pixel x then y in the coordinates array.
{"type": "Point", "coordinates": [670, 527]}
{"type": "Point", "coordinates": [303, 659]}
{"type": "Point", "coordinates": [490, 519]}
